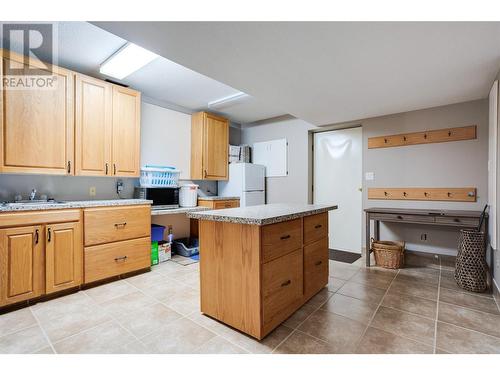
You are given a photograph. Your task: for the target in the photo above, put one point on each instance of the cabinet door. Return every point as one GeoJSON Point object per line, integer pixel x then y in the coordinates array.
{"type": "Point", "coordinates": [36, 125]}
{"type": "Point", "coordinates": [215, 151]}
{"type": "Point", "coordinates": [126, 132]}
{"type": "Point", "coordinates": [21, 264]}
{"type": "Point", "coordinates": [64, 256]}
{"type": "Point", "coordinates": [93, 111]}
{"type": "Point", "coordinates": [315, 267]}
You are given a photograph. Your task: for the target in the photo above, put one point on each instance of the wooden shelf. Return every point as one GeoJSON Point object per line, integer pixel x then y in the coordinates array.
{"type": "Point", "coordinates": [424, 194]}
{"type": "Point", "coordinates": [431, 136]}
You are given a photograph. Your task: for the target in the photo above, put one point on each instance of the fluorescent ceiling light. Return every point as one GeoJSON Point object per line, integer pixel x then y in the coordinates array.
{"type": "Point", "coordinates": [229, 101]}
{"type": "Point", "coordinates": [127, 60]}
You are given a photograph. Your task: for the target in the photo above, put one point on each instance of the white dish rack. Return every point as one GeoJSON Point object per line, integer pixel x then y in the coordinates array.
{"type": "Point", "coordinates": [159, 176]}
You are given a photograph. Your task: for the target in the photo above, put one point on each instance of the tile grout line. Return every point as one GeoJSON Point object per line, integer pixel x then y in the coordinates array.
{"type": "Point", "coordinates": [317, 309]}
{"type": "Point", "coordinates": [43, 332]}
{"type": "Point", "coordinates": [437, 308]}
{"type": "Point", "coordinates": [358, 341]}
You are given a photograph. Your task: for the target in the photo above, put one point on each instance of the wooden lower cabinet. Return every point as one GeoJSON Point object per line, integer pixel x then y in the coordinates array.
{"type": "Point", "coordinates": [254, 277]}
{"type": "Point", "coordinates": [108, 260]}
{"type": "Point", "coordinates": [63, 257]}
{"type": "Point", "coordinates": [21, 264]}
{"type": "Point", "coordinates": [218, 204]}
{"type": "Point", "coordinates": [42, 252]}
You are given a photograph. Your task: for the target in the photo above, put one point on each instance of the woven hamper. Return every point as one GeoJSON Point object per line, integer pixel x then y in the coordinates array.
{"type": "Point", "coordinates": [389, 254]}
{"type": "Point", "coordinates": [471, 268]}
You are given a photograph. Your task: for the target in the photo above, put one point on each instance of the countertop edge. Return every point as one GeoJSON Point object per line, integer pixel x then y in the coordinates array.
{"type": "Point", "coordinates": [253, 221]}
{"type": "Point", "coordinates": [77, 204]}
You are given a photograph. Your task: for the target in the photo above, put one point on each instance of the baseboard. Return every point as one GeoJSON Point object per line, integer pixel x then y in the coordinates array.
{"type": "Point", "coordinates": [496, 292]}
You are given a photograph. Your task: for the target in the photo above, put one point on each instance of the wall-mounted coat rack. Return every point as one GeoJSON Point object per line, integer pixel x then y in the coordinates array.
{"type": "Point", "coordinates": [424, 194]}
{"type": "Point", "coordinates": [431, 136]}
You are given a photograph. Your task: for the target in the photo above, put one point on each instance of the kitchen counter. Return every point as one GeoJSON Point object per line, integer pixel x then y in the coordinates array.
{"type": "Point", "coordinates": [260, 264]}
{"type": "Point", "coordinates": [263, 214]}
{"type": "Point", "coordinates": [175, 211]}
{"type": "Point", "coordinates": [217, 198]}
{"type": "Point", "coordinates": [72, 204]}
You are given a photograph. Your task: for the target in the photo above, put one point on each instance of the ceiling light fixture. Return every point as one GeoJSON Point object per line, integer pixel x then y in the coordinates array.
{"type": "Point", "coordinates": [127, 60]}
{"type": "Point", "coordinates": [229, 101]}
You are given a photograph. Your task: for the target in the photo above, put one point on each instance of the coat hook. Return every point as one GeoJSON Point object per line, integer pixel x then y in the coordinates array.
{"type": "Point", "coordinates": [404, 139]}
{"type": "Point", "coordinates": [425, 136]}
{"type": "Point", "coordinates": [449, 134]}
{"type": "Point", "coordinates": [404, 193]}
{"type": "Point", "coordinates": [425, 193]}
{"type": "Point", "coordinates": [385, 193]}
{"type": "Point", "coordinates": [449, 194]}
{"type": "Point", "coordinates": [385, 140]}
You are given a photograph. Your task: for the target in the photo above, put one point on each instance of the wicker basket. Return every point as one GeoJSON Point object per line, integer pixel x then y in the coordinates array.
{"type": "Point", "coordinates": [389, 254]}
{"type": "Point", "coordinates": [471, 268]}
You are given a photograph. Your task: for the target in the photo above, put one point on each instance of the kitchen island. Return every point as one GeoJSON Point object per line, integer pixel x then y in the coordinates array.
{"type": "Point", "coordinates": [260, 264]}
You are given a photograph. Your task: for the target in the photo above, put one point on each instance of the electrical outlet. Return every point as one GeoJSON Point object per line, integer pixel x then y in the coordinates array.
{"type": "Point", "coordinates": [92, 191]}
{"type": "Point", "coordinates": [119, 186]}
{"type": "Point", "coordinates": [423, 237]}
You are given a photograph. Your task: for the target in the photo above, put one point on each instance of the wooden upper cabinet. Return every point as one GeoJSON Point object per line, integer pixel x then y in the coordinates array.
{"type": "Point", "coordinates": [93, 116]}
{"type": "Point", "coordinates": [209, 147]}
{"type": "Point", "coordinates": [126, 132]}
{"type": "Point", "coordinates": [21, 264]}
{"type": "Point", "coordinates": [36, 125]}
{"type": "Point", "coordinates": [63, 256]}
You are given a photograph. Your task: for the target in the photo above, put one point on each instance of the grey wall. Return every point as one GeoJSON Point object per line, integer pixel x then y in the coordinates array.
{"type": "Point", "coordinates": [63, 187]}
{"type": "Point", "coordinates": [452, 164]}
{"type": "Point", "coordinates": [496, 255]}
{"type": "Point", "coordinates": [294, 187]}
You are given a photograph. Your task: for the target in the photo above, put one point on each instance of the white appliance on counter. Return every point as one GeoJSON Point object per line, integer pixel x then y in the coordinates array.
{"type": "Point", "coordinates": [247, 181]}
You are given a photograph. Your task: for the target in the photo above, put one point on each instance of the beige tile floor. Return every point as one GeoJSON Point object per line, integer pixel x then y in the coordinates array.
{"type": "Point", "coordinates": [418, 309]}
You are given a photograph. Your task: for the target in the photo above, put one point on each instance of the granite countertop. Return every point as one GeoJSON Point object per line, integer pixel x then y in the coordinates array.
{"type": "Point", "coordinates": [217, 198]}
{"type": "Point", "coordinates": [175, 211]}
{"type": "Point", "coordinates": [71, 204]}
{"type": "Point", "coordinates": [262, 214]}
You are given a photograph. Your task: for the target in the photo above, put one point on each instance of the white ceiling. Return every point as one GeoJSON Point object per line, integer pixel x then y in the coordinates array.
{"type": "Point", "coordinates": [83, 47]}
{"type": "Point", "coordinates": [329, 72]}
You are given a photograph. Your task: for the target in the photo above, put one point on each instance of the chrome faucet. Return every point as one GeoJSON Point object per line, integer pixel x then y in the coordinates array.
{"type": "Point", "coordinates": [32, 195]}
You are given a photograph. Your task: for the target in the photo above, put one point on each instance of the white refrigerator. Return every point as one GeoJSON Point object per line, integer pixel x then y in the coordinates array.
{"type": "Point", "coordinates": [247, 181]}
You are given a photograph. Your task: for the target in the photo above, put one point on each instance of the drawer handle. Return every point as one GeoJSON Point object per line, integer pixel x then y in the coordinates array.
{"type": "Point", "coordinates": [123, 258]}
{"type": "Point", "coordinates": [318, 226]}
{"type": "Point", "coordinates": [120, 225]}
{"type": "Point", "coordinates": [49, 235]}
{"type": "Point", "coordinates": [318, 263]}
{"type": "Point", "coordinates": [400, 217]}
{"type": "Point", "coordinates": [36, 236]}
{"type": "Point", "coordinates": [285, 237]}
{"type": "Point", "coordinates": [286, 283]}
{"type": "Point", "coordinates": [456, 220]}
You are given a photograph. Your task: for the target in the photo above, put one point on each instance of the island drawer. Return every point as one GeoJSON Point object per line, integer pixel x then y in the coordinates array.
{"type": "Point", "coordinates": [315, 266]}
{"type": "Point", "coordinates": [315, 227]}
{"type": "Point", "coordinates": [108, 260]}
{"type": "Point", "coordinates": [281, 284]}
{"type": "Point", "coordinates": [280, 239]}
{"type": "Point", "coordinates": [110, 224]}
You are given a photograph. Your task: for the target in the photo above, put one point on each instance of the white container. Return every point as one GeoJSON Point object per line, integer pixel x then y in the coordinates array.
{"type": "Point", "coordinates": [188, 195]}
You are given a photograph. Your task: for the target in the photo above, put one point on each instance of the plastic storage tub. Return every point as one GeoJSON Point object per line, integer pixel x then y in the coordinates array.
{"type": "Point", "coordinates": [188, 195]}
{"type": "Point", "coordinates": [157, 232]}
{"type": "Point", "coordinates": [158, 176]}
{"type": "Point", "coordinates": [186, 246]}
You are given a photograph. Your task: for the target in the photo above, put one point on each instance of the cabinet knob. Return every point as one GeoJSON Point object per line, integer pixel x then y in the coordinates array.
{"type": "Point", "coordinates": [49, 234]}
{"type": "Point", "coordinates": [114, 168]}
{"type": "Point", "coordinates": [285, 237]}
{"type": "Point", "coordinates": [106, 168]}
{"type": "Point", "coordinates": [119, 259]}
{"type": "Point", "coordinates": [120, 225]}
{"type": "Point", "coordinates": [286, 283]}
{"type": "Point", "coordinates": [318, 226]}
{"type": "Point", "coordinates": [36, 236]}
{"type": "Point", "coordinates": [69, 166]}
{"type": "Point", "coordinates": [318, 263]}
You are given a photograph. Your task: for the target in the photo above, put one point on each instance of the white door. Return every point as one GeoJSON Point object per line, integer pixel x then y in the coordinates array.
{"type": "Point", "coordinates": [252, 198]}
{"type": "Point", "coordinates": [338, 180]}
